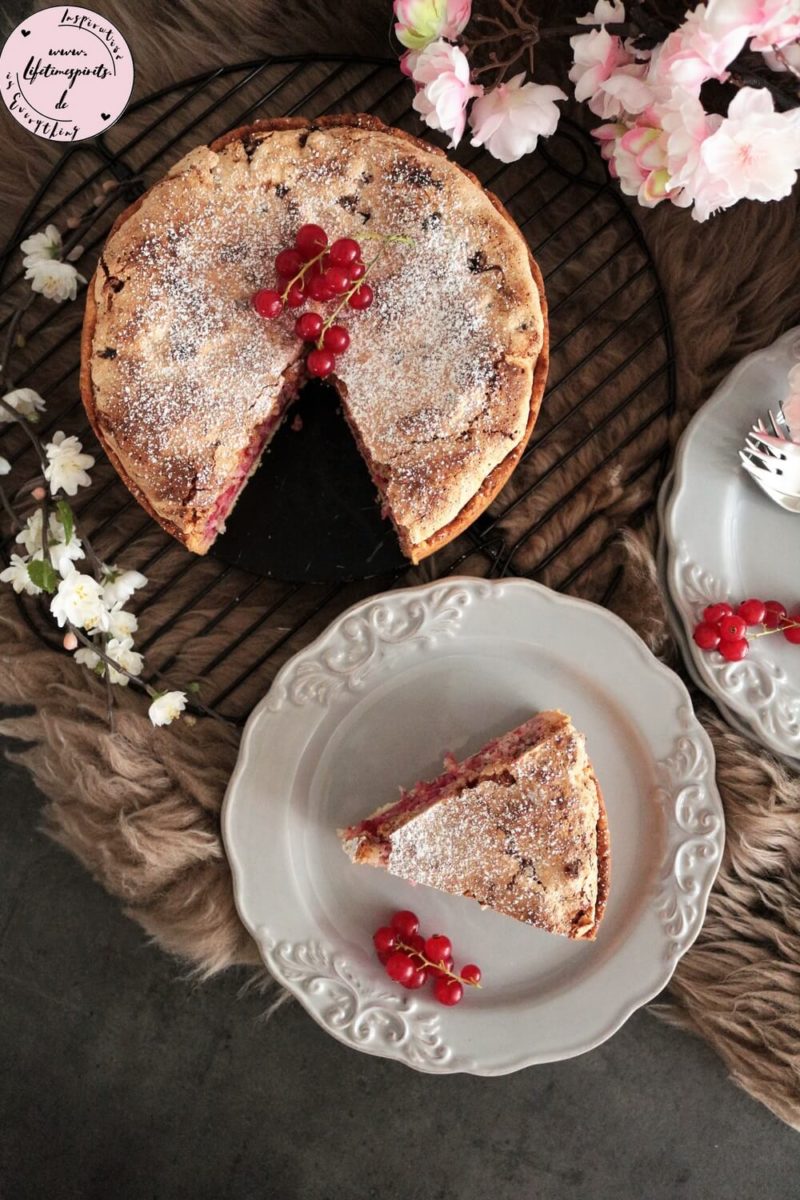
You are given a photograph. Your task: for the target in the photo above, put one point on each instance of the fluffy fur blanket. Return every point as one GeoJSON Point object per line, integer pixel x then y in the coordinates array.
{"type": "Point", "coordinates": [141, 808]}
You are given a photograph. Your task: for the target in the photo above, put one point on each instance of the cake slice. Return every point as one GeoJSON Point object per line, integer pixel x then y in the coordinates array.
{"type": "Point", "coordinates": [520, 827]}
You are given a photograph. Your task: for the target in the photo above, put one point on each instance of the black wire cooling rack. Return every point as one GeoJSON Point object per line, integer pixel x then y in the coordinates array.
{"type": "Point", "coordinates": [593, 465]}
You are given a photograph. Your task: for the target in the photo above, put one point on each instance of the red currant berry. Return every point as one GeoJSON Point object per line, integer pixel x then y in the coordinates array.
{"type": "Point", "coordinates": [438, 948]}
{"type": "Point", "coordinates": [336, 338]}
{"type": "Point", "coordinates": [295, 296]}
{"type": "Point", "coordinates": [715, 612]}
{"type": "Point", "coordinates": [444, 968]}
{"type": "Point", "coordinates": [345, 251]}
{"type": "Point", "coordinates": [416, 942]}
{"type": "Point", "coordinates": [417, 980]}
{"type": "Point", "coordinates": [288, 263]}
{"type": "Point", "coordinates": [320, 363]}
{"type": "Point", "coordinates": [732, 628]}
{"type": "Point", "coordinates": [734, 650]}
{"type": "Point", "coordinates": [384, 939]}
{"type": "Point", "coordinates": [308, 326]}
{"type": "Point", "coordinates": [361, 297]}
{"type": "Point", "coordinates": [356, 270]}
{"type": "Point", "coordinates": [400, 967]}
{"type": "Point", "coordinates": [310, 240]}
{"type": "Point", "coordinates": [752, 611]}
{"type": "Point", "coordinates": [448, 991]}
{"type": "Point", "coordinates": [337, 279]}
{"type": "Point", "coordinates": [319, 289]}
{"type": "Point", "coordinates": [406, 923]}
{"type": "Point", "coordinates": [774, 614]}
{"type": "Point", "coordinates": [268, 303]}
{"type": "Point", "coordinates": [706, 636]}
{"type": "Point", "coordinates": [792, 632]}
{"type": "Point", "coordinates": [471, 974]}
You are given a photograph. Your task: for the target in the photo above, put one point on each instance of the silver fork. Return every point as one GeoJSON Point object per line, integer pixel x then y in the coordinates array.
{"type": "Point", "coordinates": [772, 459]}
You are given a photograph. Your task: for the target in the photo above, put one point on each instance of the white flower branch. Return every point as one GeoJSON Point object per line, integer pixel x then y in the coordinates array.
{"type": "Point", "coordinates": [88, 605]}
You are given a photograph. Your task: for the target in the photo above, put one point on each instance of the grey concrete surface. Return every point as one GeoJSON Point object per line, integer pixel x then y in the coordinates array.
{"type": "Point", "coordinates": [122, 1080]}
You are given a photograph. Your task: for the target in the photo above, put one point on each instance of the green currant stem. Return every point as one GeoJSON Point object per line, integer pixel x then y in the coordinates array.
{"type": "Point", "coordinates": [426, 962]}
{"type": "Point", "coordinates": [789, 624]}
{"type": "Point", "coordinates": [346, 297]}
{"type": "Point", "coordinates": [301, 273]}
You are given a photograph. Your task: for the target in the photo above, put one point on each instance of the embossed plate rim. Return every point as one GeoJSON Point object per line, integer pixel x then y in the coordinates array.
{"type": "Point", "coordinates": [756, 692]}
{"type": "Point", "coordinates": [341, 985]}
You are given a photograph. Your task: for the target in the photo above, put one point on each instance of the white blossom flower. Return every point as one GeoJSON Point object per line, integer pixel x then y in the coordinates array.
{"type": "Point", "coordinates": [17, 575]}
{"type": "Point", "coordinates": [30, 536]}
{"type": "Point", "coordinates": [167, 707]}
{"type": "Point", "coordinates": [119, 586]}
{"type": "Point", "coordinates": [62, 554]}
{"type": "Point", "coordinates": [55, 280]}
{"type": "Point", "coordinates": [41, 247]}
{"type": "Point", "coordinates": [122, 652]}
{"type": "Point", "coordinates": [79, 601]}
{"type": "Point", "coordinates": [24, 401]}
{"type": "Point", "coordinates": [87, 657]}
{"type": "Point", "coordinates": [5, 465]}
{"type": "Point", "coordinates": [67, 470]}
{"type": "Point", "coordinates": [121, 624]}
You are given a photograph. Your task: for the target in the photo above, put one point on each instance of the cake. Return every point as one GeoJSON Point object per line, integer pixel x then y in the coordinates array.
{"type": "Point", "coordinates": [185, 384]}
{"type": "Point", "coordinates": [520, 827]}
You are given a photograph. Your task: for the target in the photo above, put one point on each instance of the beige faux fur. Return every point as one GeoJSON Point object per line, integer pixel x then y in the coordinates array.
{"type": "Point", "coordinates": [141, 808]}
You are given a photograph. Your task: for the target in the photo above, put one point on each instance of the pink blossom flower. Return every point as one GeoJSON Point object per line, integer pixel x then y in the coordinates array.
{"type": "Point", "coordinates": [687, 125]}
{"type": "Point", "coordinates": [420, 22]}
{"type": "Point", "coordinates": [606, 75]}
{"type": "Point", "coordinates": [510, 119]}
{"type": "Point", "coordinates": [597, 55]}
{"type": "Point", "coordinates": [699, 49]}
{"type": "Point", "coordinates": [637, 156]}
{"type": "Point", "coordinates": [408, 61]}
{"type": "Point", "coordinates": [605, 11]}
{"type": "Point", "coordinates": [442, 75]}
{"type": "Point", "coordinates": [755, 150]}
{"type": "Point", "coordinates": [774, 22]}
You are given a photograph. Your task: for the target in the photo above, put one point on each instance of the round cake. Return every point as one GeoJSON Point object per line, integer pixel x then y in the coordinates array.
{"type": "Point", "coordinates": [185, 384]}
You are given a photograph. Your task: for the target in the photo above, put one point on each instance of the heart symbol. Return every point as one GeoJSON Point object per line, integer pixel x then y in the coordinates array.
{"type": "Point", "coordinates": [25, 32]}
{"type": "Point", "coordinates": [105, 116]}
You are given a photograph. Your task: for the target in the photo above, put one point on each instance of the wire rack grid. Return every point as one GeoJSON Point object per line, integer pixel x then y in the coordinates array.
{"type": "Point", "coordinates": [594, 463]}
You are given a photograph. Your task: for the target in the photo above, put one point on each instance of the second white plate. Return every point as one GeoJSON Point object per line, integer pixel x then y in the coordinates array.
{"type": "Point", "coordinates": [726, 540]}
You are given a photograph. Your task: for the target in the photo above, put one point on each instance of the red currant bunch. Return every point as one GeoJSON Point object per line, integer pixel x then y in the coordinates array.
{"type": "Point", "coordinates": [411, 959]}
{"type": "Point", "coordinates": [313, 270]}
{"type": "Point", "coordinates": [724, 628]}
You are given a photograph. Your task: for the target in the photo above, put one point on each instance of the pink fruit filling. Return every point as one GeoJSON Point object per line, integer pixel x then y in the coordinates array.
{"type": "Point", "coordinates": [498, 753]}
{"type": "Point", "coordinates": [259, 439]}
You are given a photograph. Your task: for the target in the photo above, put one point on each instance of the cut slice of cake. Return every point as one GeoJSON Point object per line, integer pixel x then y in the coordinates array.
{"type": "Point", "coordinates": [520, 827]}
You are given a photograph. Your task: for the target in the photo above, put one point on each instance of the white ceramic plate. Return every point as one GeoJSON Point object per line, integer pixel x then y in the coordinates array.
{"type": "Point", "coordinates": [676, 623]}
{"type": "Point", "coordinates": [373, 704]}
{"type": "Point", "coordinates": [726, 540]}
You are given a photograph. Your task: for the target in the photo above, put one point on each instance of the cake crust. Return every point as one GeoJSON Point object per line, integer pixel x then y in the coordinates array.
{"type": "Point", "coordinates": [178, 508]}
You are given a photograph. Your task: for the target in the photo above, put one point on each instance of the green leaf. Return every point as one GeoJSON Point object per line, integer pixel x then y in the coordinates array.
{"type": "Point", "coordinates": [67, 519]}
{"type": "Point", "coordinates": [43, 575]}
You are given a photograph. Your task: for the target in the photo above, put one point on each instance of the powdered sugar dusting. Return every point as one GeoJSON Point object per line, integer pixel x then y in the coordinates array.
{"type": "Point", "coordinates": [195, 370]}
{"type": "Point", "coordinates": [516, 829]}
